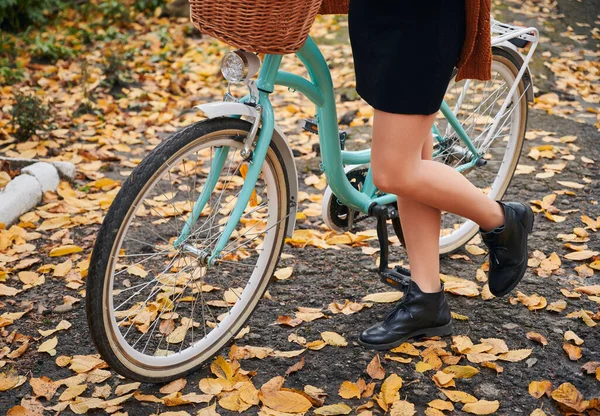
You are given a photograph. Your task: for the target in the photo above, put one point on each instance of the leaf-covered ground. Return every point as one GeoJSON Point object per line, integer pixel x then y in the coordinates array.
{"type": "Point", "coordinates": [129, 85]}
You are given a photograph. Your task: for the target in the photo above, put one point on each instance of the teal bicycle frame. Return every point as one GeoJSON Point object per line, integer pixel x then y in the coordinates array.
{"type": "Point", "coordinates": [320, 91]}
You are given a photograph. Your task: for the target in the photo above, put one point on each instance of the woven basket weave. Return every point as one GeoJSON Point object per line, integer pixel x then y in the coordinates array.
{"type": "Point", "coordinates": [263, 26]}
{"type": "Point", "coordinates": [334, 7]}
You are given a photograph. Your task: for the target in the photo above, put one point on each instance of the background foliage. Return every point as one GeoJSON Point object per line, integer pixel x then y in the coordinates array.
{"type": "Point", "coordinates": [18, 14]}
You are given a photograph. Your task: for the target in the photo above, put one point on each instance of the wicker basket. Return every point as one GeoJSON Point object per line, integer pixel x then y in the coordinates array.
{"type": "Point", "coordinates": [263, 26]}
{"type": "Point", "coordinates": [334, 7]}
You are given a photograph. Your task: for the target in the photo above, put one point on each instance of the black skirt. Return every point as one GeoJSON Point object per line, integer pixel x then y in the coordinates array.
{"type": "Point", "coordinates": [405, 51]}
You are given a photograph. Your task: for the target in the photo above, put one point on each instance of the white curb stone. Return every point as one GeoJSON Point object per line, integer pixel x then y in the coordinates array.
{"type": "Point", "coordinates": [45, 173]}
{"type": "Point", "coordinates": [66, 170]}
{"type": "Point", "coordinates": [25, 191]}
{"type": "Point", "coordinates": [20, 195]}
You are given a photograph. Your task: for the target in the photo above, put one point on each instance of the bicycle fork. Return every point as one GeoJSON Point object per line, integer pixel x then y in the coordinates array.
{"type": "Point", "coordinates": [256, 153]}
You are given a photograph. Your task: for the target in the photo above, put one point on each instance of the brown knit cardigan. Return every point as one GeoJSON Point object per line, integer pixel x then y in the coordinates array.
{"type": "Point", "coordinates": [475, 60]}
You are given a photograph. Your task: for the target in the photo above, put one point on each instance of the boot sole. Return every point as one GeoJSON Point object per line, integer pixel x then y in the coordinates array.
{"type": "Point", "coordinates": [439, 331]}
{"type": "Point", "coordinates": [529, 219]}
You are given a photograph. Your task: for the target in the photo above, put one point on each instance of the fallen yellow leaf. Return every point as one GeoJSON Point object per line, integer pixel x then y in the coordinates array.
{"type": "Point", "coordinates": [481, 407]}
{"type": "Point", "coordinates": [334, 339]}
{"type": "Point", "coordinates": [374, 369]}
{"type": "Point", "coordinates": [349, 390]}
{"type": "Point", "coordinates": [402, 408]}
{"type": "Point", "coordinates": [406, 348]}
{"type": "Point", "coordinates": [65, 250]}
{"type": "Point", "coordinates": [581, 255]}
{"type": "Point", "coordinates": [383, 297]}
{"type": "Point", "coordinates": [333, 409]}
{"type": "Point", "coordinates": [567, 395]}
{"type": "Point", "coordinates": [459, 396]}
{"type": "Point", "coordinates": [515, 355]}
{"type": "Point", "coordinates": [538, 388]}
{"type": "Point", "coordinates": [570, 184]}
{"type": "Point", "coordinates": [441, 405]}
{"type": "Point", "coordinates": [390, 388]}
{"type": "Point", "coordinates": [461, 371]}
{"type": "Point", "coordinates": [534, 336]}
{"type": "Point", "coordinates": [444, 379]}
{"type": "Point", "coordinates": [43, 387]}
{"type": "Point", "coordinates": [573, 351]}
{"type": "Point", "coordinates": [10, 380]}
{"type": "Point", "coordinates": [284, 273]}
{"type": "Point", "coordinates": [572, 336]}
{"type": "Point", "coordinates": [475, 250]}
{"type": "Point", "coordinates": [49, 346]}
{"type": "Point", "coordinates": [285, 401]}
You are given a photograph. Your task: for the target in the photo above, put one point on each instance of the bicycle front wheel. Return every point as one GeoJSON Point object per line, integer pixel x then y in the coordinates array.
{"type": "Point", "coordinates": [476, 104]}
{"type": "Point", "coordinates": [154, 311]}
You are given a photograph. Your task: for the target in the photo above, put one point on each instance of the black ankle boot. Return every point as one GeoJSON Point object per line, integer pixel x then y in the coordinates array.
{"type": "Point", "coordinates": [417, 314]}
{"type": "Point", "coordinates": [508, 247]}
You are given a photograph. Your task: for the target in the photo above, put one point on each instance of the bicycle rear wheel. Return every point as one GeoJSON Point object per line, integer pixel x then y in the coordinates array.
{"type": "Point", "coordinates": [154, 311]}
{"type": "Point", "coordinates": [475, 104]}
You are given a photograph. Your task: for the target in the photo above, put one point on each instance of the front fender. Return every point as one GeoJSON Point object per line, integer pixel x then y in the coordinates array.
{"type": "Point", "coordinates": [227, 108]}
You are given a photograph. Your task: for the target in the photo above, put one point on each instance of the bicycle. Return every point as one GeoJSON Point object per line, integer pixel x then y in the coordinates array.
{"type": "Point", "coordinates": [190, 244]}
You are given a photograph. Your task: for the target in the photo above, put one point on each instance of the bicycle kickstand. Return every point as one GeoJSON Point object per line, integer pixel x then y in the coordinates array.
{"type": "Point", "coordinates": [398, 277]}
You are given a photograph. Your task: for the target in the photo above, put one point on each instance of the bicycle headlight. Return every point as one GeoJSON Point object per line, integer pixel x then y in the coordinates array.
{"type": "Point", "coordinates": [238, 66]}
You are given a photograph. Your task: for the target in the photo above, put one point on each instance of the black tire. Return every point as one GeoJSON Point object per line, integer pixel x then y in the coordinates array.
{"type": "Point", "coordinates": [108, 235]}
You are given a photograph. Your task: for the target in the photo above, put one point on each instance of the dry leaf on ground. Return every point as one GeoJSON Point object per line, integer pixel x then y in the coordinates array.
{"type": "Point", "coordinates": [383, 297]}
{"type": "Point", "coordinates": [333, 409]}
{"type": "Point", "coordinates": [568, 395]}
{"type": "Point", "coordinates": [481, 407]}
{"type": "Point", "coordinates": [402, 408]}
{"type": "Point", "coordinates": [538, 388]}
{"type": "Point", "coordinates": [375, 369]}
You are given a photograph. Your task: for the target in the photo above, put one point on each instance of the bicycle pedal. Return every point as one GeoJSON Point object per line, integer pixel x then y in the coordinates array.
{"type": "Point", "coordinates": [310, 126]}
{"type": "Point", "coordinates": [398, 278]}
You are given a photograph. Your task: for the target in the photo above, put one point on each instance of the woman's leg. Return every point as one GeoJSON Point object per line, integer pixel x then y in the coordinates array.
{"type": "Point", "coordinates": [398, 168]}
{"type": "Point", "coordinates": [400, 163]}
{"type": "Point", "coordinates": [421, 229]}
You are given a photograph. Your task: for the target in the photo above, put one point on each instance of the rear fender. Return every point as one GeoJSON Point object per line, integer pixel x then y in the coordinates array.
{"type": "Point", "coordinates": [519, 59]}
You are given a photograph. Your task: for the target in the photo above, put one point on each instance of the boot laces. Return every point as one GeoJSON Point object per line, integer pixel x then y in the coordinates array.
{"type": "Point", "coordinates": [402, 305]}
{"type": "Point", "coordinates": [493, 254]}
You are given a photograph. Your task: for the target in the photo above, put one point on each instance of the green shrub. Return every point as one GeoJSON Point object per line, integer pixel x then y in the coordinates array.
{"type": "Point", "coordinates": [29, 115]}
{"type": "Point", "coordinates": [18, 14]}
{"type": "Point", "coordinates": [114, 11]}
{"type": "Point", "coordinates": [8, 47]}
{"type": "Point", "coordinates": [50, 50]}
{"type": "Point", "coordinates": [148, 5]}
{"type": "Point", "coordinates": [10, 70]}
{"type": "Point", "coordinates": [116, 72]}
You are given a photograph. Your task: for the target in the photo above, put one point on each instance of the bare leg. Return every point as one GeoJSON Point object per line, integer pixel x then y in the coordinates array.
{"type": "Point", "coordinates": [401, 165]}
{"type": "Point", "coordinates": [398, 168]}
{"type": "Point", "coordinates": [421, 228]}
